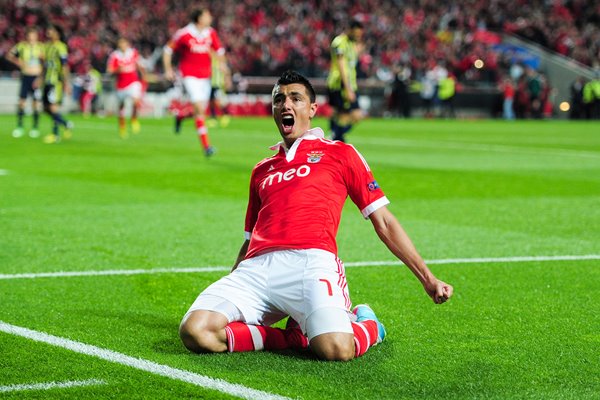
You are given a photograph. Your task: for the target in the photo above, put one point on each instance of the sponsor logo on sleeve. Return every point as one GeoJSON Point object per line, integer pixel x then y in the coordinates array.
{"type": "Point", "coordinates": [372, 186]}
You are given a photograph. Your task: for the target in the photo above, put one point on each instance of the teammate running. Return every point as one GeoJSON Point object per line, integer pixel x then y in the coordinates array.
{"type": "Point", "coordinates": [195, 44]}
{"type": "Point", "coordinates": [124, 63]}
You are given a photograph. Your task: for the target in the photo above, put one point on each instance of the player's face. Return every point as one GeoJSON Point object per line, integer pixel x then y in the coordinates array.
{"type": "Point", "coordinates": [205, 19]}
{"type": "Point", "coordinates": [52, 33]}
{"type": "Point", "coordinates": [356, 34]}
{"type": "Point", "coordinates": [32, 37]}
{"type": "Point", "coordinates": [292, 111]}
{"type": "Point", "coordinates": [123, 44]}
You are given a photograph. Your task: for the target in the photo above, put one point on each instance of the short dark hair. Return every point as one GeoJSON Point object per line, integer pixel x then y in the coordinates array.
{"type": "Point", "coordinates": [58, 30]}
{"type": "Point", "coordinates": [290, 76]}
{"type": "Point", "coordinates": [356, 24]}
{"type": "Point", "coordinates": [196, 14]}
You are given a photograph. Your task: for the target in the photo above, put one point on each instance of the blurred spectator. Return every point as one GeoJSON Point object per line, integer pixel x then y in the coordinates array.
{"type": "Point", "coordinates": [508, 93]}
{"type": "Point", "coordinates": [446, 93]}
{"type": "Point", "coordinates": [428, 90]}
{"type": "Point", "coordinates": [399, 102]}
{"type": "Point", "coordinates": [591, 98]}
{"type": "Point", "coordinates": [577, 106]}
{"type": "Point", "coordinates": [91, 84]}
{"type": "Point", "coordinates": [534, 88]}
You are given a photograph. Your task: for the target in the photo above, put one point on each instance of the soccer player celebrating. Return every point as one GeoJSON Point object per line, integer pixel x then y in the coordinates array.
{"type": "Point", "coordinates": [341, 82]}
{"type": "Point", "coordinates": [56, 82]}
{"type": "Point", "coordinates": [196, 43]}
{"type": "Point", "coordinates": [288, 264]}
{"type": "Point", "coordinates": [28, 55]}
{"type": "Point", "coordinates": [124, 63]}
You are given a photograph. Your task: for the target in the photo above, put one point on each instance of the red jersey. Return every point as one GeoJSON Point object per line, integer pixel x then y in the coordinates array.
{"type": "Point", "coordinates": [125, 66]}
{"type": "Point", "coordinates": [296, 198]}
{"type": "Point", "coordinates": [194, 47]}
{"type": "Point", "coordinates": [509, 91]}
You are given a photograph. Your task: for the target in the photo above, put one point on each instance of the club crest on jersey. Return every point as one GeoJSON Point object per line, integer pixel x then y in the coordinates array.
{"type": "Point", "coordinates": [314, 157]}
{"type": "Point", "coordinates": [373, 186]}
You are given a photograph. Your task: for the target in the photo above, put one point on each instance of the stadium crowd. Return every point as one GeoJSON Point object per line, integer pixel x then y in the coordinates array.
{"type": "Point", "coordinates": [265, 38]}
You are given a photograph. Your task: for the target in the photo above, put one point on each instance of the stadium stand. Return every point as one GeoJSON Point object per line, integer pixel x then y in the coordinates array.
{"type": "Point", "coordinates": [264, 38]}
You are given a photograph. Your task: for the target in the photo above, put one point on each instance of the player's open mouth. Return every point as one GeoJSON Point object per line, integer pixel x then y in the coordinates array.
{"type": "Point", "coordinates": [287, 122]}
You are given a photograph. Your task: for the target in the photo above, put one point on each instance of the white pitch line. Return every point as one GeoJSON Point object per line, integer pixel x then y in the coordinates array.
{"type": "Point", "coordinates": [482, 260]}
{"type": "Point", "coordinates": [51, 385]}
{"type": "Point", "coordinates": [141, 364]}
{"type": "Point", "coordinates": [63, 274]}
{"type": "Point", "coordinates": [150, 271]}
{"type": "Point", "coordinates": [3, 172]}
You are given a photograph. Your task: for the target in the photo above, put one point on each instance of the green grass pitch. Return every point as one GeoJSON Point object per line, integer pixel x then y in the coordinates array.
{"type": "Point", "coordinates": [462, 189]}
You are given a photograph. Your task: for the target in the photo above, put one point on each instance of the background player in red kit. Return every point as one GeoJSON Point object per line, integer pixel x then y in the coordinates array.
{"type": "Point", "coordinates": [288, 263]}
{"type": "Point", "coordinates": [124, 63]}
{"type": "Point", "coordinates": [195, 44]}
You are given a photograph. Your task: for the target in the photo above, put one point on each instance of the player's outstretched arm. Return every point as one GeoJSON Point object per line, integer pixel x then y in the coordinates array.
{"type": "Point", "coordinates": [241, 254]}
{"type": "Point", "coordinates": [395, 238]}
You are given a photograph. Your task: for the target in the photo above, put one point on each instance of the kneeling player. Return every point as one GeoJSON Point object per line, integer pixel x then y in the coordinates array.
{"type": "Point", "coordinates": [288, 263]}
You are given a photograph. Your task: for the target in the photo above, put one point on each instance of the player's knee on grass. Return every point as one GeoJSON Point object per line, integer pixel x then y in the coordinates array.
{"type": "Point", "coordinates": [330, 334]}
{"type": "Point", "coordinates": [204, 332]}
{"type": "Point", "coordinates": [335, 346]}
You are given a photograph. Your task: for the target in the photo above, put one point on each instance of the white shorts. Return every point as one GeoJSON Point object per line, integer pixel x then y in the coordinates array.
{"type": "Point", "coordinates": [198, 89]}
{"type": "Point", "coordinates": [133, 90]}
{"type": "Point", "coordinates": [308, 285]}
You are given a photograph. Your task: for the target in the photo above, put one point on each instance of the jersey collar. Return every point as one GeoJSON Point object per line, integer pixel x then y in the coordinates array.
{"type": "Point", "coordinates": [194, 31]}
{"type": "Point", "coordinates": [311, 134]}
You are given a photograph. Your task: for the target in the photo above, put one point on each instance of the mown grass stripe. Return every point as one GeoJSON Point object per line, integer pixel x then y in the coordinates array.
{"type": "Point", "coordinates": [141, 364]}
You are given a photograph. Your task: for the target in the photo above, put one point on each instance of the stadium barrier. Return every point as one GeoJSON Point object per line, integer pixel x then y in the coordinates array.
{"type": "Point", "coordinates": [470, 102]}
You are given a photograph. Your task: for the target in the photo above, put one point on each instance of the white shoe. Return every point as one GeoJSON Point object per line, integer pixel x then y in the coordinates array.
{"type": "Point", "coordinates": [34, 133]}
{"type": "Point", "coordinates": [17, 132]}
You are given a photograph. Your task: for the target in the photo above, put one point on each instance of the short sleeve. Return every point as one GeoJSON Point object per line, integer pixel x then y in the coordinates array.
{"type": "Point", "coordinates": [64, 54]}
{"type": "Point", "coordinates": [216, 42]}
{"type": "Point", "coordinates": [363, 189]}
{"type": "Point", "coordinates": [338, 46]}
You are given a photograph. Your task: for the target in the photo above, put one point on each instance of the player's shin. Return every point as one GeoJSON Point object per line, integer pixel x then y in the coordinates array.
{"type": "Point", "coordinates": [20, 114]}
{"type": "Point", "coordinates": [202, 132]}
{"type": "Point", "coordinates": [36, 119]}
{"type": "Point", "coordinates": [365, 336]}
{"type": "Point", "coordinates": [243, 337]}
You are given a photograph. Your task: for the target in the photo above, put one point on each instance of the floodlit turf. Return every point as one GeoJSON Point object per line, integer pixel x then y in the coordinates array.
{"type": "Point", "coordinates": [462, 189]}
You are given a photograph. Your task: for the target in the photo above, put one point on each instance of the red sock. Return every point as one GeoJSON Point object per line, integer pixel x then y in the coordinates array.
{"type": "Point", "coordinates": [365, 336]}
{"type": "Point", "coordinates": [202, 133]}
{"type": "Point", "coordinates": [243, 337]}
